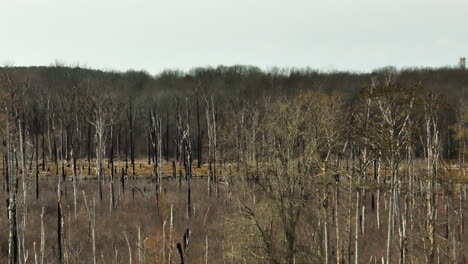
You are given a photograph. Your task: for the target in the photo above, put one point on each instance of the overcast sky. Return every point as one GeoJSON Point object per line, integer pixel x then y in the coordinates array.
{"type": "Point", "coordinates": [154, 35]}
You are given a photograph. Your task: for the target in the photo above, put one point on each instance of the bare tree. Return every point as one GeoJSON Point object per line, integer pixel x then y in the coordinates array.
{"type": "Point", "coordinates": [296, 156]}
{"type": "Point", "coordinates": [103, 108]}
{"type": "Point", "coordinates": [393, 121]}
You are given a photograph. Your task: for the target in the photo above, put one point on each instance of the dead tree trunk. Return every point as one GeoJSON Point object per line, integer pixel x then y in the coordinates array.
{"type": "Point", "coordinates": [432, 150]}
{"type": "Point", "coordinates": [131, 127]}
{"type": "Point", "coordinates": [90, 150]}
{"type": "Point", "coordinates": [186, 139]}
{"type": "Point", "coordinates": [179, 137]}
{"type": "Point", "coordinates": [166, 143]}
{"type": "Point", "coordinates": [155, 127]}
{"type": "Point", "coordinates": [126, 152]}
{"type": "Point", "coordinates": [111, 184]}
{"type": "Point", "coordinates": [59, 221]}
{"type": "Point", "coordinates": [199, 135]}
{"type": "Point", "coordinates": [12, 189]}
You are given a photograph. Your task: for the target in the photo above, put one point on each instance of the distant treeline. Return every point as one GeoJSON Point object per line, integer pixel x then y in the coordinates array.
{"type": "Point", "coordinates": [248, 82]}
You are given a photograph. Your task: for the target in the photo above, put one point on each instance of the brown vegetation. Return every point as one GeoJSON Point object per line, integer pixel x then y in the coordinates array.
{"type": "Point", "coordinates": [95, 177]}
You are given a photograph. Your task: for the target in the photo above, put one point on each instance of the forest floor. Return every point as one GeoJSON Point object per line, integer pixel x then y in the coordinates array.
{"type": "Point", "coordinates": [139, 223]}
{"type": "Point", "coordinates": [137, 206]}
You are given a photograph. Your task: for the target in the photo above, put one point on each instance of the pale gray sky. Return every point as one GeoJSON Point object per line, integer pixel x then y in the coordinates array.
{"type": "Point", "coordinates": [154, 35]}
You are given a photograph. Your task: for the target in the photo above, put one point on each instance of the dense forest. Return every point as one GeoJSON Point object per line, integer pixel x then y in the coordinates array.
{"type": "Point", "coordinates": [45, 88]}
{"type": "Point", "coordinates": [233, 165]}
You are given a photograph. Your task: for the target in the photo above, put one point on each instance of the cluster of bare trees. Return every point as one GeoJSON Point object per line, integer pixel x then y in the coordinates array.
{"type": "Point", "coordinates": [323, 168]}
{"type": "Point", "coordinates": [312, 176]}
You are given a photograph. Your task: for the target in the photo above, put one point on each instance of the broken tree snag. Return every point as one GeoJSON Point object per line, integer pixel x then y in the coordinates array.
{"type": "Point", "coordinates": [59, 222]}
{"type": "Point", "coordinates": [187, 234]}
{"type": "Point", "coordinates": [189, 199]}
{"type": "Point", "coordinates": [182, 248]}
{"type": "Point", "coordinates": [181, 253]}
{"type": "Point", "coordinates": [122, 181]}
{"type": "Point", "coordinates": [64, 175]}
